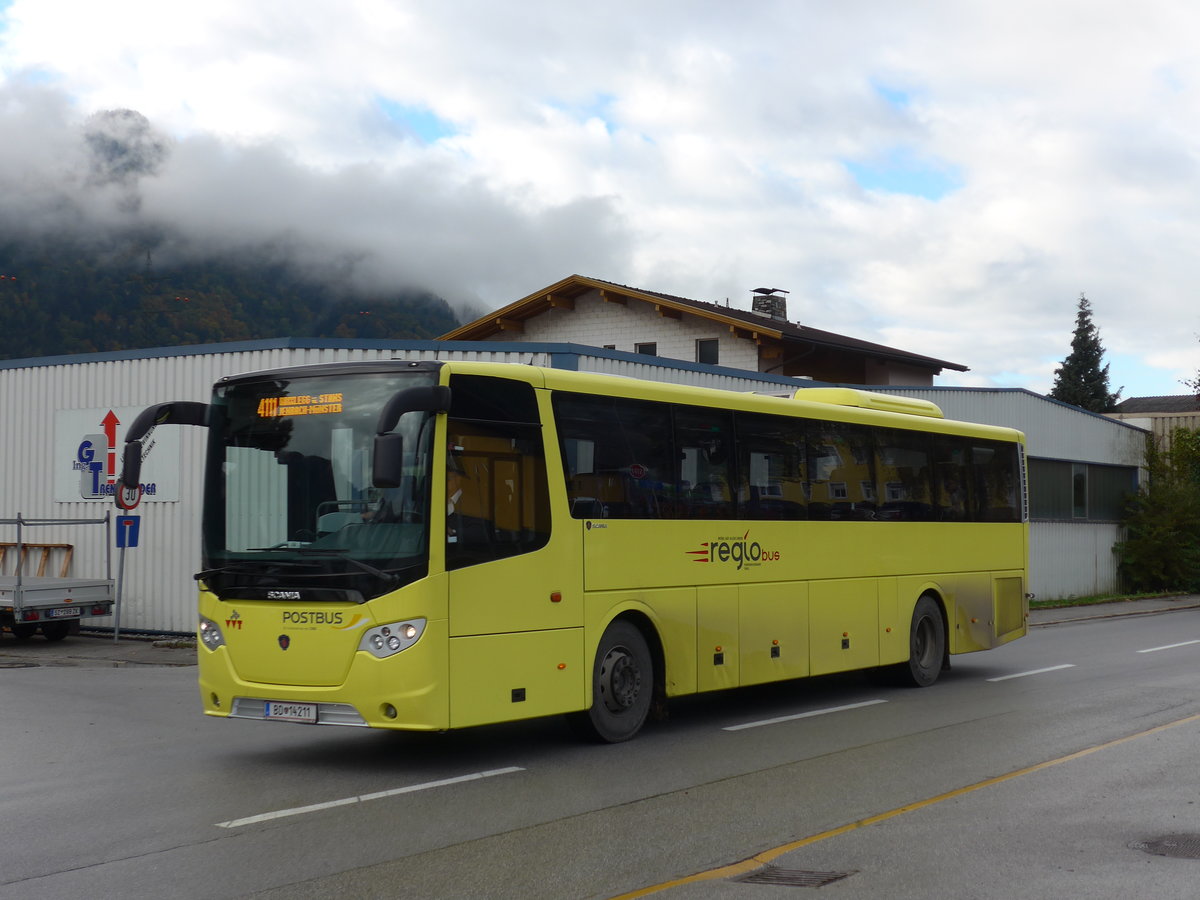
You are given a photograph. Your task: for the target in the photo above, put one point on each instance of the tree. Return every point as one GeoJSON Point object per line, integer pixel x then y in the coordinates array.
{"type": "Point", "coordinates": [1161, 551]}
{"type": "Point", "coordinates": [1081, 380]}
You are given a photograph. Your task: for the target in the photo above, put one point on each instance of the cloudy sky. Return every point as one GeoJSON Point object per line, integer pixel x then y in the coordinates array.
{"type": "Point", "coordinates": [944, 177]}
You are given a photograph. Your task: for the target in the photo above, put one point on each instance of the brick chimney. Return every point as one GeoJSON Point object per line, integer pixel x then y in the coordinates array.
{"type": "Point", "coordinates": [767, 302]}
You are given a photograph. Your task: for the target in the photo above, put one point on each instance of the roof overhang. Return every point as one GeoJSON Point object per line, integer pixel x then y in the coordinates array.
{"type": "Point", "coordinates": [562, 295]}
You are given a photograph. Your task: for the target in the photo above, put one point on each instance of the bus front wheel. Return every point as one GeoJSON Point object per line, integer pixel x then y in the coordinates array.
{"type": "Point", "coordinates": [926, 645]}
{"type": "Point", "coordinates": [622, 686]}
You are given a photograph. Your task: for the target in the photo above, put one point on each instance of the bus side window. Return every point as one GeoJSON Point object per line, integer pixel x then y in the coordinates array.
{"type": "Point", "coordinates": [842, 471]}
{"type": "Point", "coordinates": [704, 478]}
{"type": "Point", "coordinates": [616, 456]}
{"type": "Point", "coordinates": [902, 466]}
{"type": "Point", "coordinates": [772, 467]}
{"type": "Point", "coordinates": [952, 480]}
{"type": "Point", "coordinates": [996, 473]}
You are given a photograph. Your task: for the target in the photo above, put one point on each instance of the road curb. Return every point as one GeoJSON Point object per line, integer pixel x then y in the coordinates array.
{"type": "Point", "coordinates": [1108, 614]}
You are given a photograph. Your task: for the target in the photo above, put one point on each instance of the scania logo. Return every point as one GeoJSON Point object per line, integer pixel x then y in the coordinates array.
{"type": "Point", "coordinates": [284, 642]}
{"type": "Point", "coordinates": [283, 595]}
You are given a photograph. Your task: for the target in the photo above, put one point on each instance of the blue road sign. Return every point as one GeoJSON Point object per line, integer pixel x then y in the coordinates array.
{"type": "Point", "coordinates": [127, 530]}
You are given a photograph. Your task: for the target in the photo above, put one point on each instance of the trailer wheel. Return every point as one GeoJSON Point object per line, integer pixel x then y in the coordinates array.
{"type": "Point", "coordinates": [24, 632]}
{"type": "Point", "coordinates": [55, 631]}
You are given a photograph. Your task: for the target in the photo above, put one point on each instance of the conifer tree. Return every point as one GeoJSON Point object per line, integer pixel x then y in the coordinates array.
{"type": "Point", "coordinates": [1081, 380]}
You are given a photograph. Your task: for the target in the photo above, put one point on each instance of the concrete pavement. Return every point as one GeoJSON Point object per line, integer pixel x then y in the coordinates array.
{"type": "Point", "coordinates": [94, 650]}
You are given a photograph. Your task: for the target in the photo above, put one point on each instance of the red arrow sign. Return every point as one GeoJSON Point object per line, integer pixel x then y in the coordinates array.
{"type": "Point", "coordinates": [110, 423]}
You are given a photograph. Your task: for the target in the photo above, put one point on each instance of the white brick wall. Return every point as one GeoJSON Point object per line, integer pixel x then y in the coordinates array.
{"type": "Point", "coordinates": [596, 323]}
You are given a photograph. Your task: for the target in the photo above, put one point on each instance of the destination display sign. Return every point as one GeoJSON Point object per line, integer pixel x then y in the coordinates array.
{"type": "Point", "coordinates": [304, 405]}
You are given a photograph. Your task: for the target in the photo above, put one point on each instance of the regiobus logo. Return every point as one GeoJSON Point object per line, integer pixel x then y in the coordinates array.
{"type": "Point", "coordinates": [739, 550]}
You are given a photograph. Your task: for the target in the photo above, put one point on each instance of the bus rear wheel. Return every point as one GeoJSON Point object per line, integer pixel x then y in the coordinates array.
{"type": "Point", "coordinates": [926, 645]}
{"type": "Point", "coordinates": [622, 686]}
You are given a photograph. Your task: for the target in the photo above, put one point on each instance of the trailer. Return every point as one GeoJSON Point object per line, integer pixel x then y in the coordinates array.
{"type": "Point", "coordinates": [39, 594]}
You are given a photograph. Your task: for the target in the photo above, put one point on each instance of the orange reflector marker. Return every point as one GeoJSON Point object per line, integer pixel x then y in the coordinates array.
{"type": "Point", "coordinates": [556, 597]}
{"type": "Point", "coordinates": [774, 643]}
{"type": "Point", "coordinates": [845, 634]}
{"type": "Point", "coordinates": [888, 629]}
{"type": "Point", "coordinates": [717, 648]}
{"type": "Point", "coordinates": [561, 666]}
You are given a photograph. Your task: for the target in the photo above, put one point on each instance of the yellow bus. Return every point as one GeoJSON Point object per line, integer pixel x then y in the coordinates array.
{"type": "Point", "coordinates": [435, 545]}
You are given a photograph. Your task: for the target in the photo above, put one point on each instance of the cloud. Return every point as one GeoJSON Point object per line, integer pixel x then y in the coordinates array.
{"type": "Point", "coordinates": [366, 227]}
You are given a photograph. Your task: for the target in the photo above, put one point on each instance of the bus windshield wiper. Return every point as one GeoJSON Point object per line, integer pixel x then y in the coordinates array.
{"type": "Point", "coordinates": [340, 553]}
{"type": "Point", "coordinates": [252, 568]}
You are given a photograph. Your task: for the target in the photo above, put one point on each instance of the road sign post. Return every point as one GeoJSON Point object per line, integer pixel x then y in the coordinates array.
{"type": "Point", "coordinates": [128, 528]}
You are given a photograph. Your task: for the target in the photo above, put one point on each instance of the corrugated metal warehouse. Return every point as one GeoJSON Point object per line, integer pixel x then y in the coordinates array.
{"type": "Point", "coordinates": [64, 414]}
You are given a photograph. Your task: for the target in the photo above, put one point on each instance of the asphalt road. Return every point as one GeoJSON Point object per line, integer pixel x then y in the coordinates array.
{"type": "Point", "coordinates": [1027, 772]}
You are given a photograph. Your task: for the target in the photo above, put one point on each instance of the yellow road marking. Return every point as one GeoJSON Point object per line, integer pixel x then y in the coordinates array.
{"type": "Point", "coordinates": [767, 856]}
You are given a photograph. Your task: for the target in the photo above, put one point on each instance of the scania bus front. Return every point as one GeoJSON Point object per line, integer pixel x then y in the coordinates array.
{"type": "Point", "coordinates": [315, 605]}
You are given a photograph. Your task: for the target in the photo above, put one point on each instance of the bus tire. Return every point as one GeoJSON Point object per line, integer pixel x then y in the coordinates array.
{"type": "Point", "coordinates": [622, 686]}
{"type": "Point", "coordinates": [926, 645]}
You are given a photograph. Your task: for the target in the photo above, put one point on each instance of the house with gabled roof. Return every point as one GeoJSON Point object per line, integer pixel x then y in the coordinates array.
{"type": "Point", "coordinates": [611, 316]}
{"type": "Point", "coordinates": [1160, 415]}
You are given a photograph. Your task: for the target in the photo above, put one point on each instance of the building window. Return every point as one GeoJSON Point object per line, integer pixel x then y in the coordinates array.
{"type": "Point", "coordinates": [707, 351]}
{"type": "Point", "coordinates": [1079, 490]}
{"type": "Point", "coordinates": [1088, 492]}
{"type": "Point", "coordinates": [648, 349]}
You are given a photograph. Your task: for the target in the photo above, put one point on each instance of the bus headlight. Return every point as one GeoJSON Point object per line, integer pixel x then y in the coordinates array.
{"type": "Point", "coordinates": [210, 634]}
{"type": "Point", "coordinates": [383, 641]}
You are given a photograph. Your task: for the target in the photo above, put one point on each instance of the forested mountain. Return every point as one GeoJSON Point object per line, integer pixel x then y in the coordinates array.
{"type": "Point", "coordinates": [63, 297]}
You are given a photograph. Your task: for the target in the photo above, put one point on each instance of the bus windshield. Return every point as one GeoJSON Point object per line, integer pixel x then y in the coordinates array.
{"type": "Point", "coordinates": [288, 489]}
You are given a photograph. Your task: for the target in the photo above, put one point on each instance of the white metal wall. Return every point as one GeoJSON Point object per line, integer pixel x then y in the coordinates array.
{"type": "Point", "coordinates": [1073, 559]}
{"type": "Point", "coordinates": [658, 371]}
{"type": "Point", "coordinates": [1052, 430]}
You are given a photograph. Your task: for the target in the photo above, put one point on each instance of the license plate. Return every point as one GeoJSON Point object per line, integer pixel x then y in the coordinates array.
{"type": "Point", "coordinates": [291, 712]}
{"type": "Point", "coordinates": [66, 612]}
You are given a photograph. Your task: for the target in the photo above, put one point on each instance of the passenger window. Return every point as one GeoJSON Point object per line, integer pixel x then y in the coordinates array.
{"type": "Point", "coordinates": [772, 468]}
{"type": "Point", "coordinates": [902, 466]}
{"type": "Point", "coordinates": [617, 456]}
{"type": "Point", "coordinates": [996, 475]}
{"type": "Point", "coordinates": [705, 477]}
{"type": "Point", "coordinates": [841, 472]}
{"type": "Point", "coordinates": [952, 479]}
